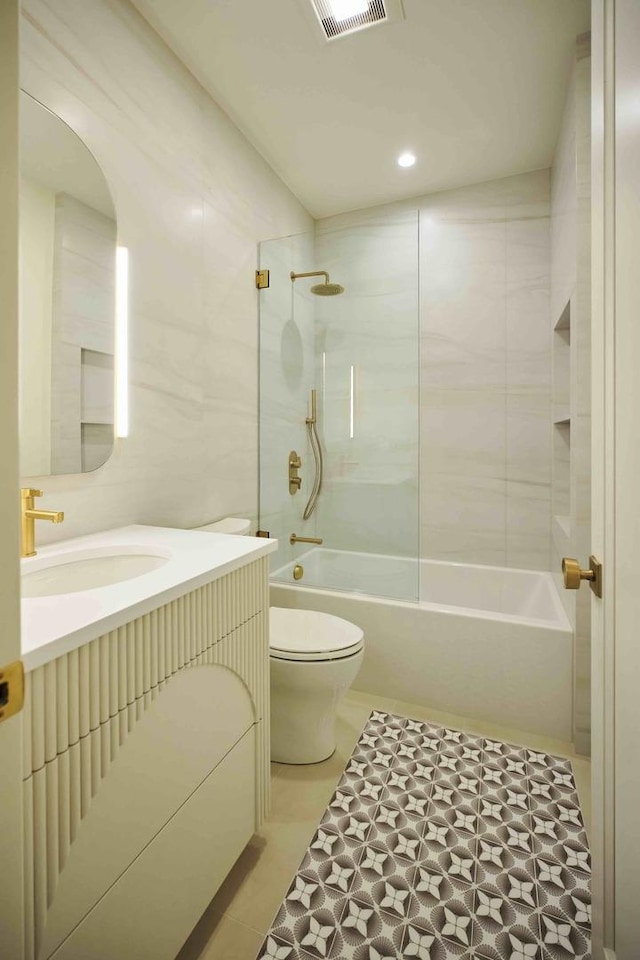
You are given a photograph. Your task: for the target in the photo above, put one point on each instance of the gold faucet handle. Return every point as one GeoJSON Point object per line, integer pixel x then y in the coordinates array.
{"type": "Point", "coordinates": [28, 494]}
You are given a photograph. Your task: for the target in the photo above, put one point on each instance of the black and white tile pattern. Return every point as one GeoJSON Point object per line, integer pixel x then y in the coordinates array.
{"type": "Point", "coordinates": [437, 845]}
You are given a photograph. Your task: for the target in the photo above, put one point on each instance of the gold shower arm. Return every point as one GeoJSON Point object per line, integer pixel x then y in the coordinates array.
{"type": "Point", "coordinates": [314, 273]}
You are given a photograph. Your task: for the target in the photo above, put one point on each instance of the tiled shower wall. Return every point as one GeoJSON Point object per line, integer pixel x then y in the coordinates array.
{"type": "Point", "coordinates": [484, 402]}
{"type": "Point", "coordinates": [485, 485]}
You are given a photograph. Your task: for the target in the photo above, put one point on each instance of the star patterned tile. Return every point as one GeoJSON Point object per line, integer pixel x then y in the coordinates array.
{"type": "Point", "coordinates": [437, 844]}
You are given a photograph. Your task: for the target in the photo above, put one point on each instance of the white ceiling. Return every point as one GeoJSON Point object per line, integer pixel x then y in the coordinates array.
{"type": "Point", "coordinates": [474, 87]}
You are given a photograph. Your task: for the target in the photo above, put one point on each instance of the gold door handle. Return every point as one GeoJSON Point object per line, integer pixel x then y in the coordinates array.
{"type": "Point", "coordinates": [573, 574]}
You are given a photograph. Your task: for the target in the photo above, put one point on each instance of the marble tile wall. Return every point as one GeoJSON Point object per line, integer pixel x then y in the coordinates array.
{"type": "Point", "coordinates": [485, 385]}
{"type": "Point", "coordinates": [193, 200]}
{"type": "Point", "coordinates": [485, 393]}
{"type": "Point", "coordinates": [571, 284]}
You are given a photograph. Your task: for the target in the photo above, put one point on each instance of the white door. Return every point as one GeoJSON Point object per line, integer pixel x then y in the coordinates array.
{"type": "Point", "coordinates": [616, 477]}
{"type": "Point", "coordinates": [10, 753]}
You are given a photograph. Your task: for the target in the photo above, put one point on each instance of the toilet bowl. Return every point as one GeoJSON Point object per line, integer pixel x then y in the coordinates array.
{"type": "Point", "coordinates": [237, 526]}
{"type": "Point", "coordinates": [315, 657]}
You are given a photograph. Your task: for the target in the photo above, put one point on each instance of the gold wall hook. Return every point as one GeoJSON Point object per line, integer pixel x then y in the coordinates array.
{"type": "Point", "coordinates": [573, 574]}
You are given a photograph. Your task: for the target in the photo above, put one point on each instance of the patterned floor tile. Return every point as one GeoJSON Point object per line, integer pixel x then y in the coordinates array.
{"type": "Point", "coordinates": [436, 845]}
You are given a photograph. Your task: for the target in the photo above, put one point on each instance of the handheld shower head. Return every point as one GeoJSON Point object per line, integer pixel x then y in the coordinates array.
{"type": "Point", "coordinates": [326, 289]}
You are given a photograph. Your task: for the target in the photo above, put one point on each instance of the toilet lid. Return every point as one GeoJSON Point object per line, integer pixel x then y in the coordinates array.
{"type": "Point", "coordinates": [311, 635]}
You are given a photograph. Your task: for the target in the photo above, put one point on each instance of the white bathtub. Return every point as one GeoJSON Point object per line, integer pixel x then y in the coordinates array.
{"type": "Point", "coordinates": [484, 642]}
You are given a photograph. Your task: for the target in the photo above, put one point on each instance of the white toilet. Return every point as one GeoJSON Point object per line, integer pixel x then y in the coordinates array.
{"type": "Point", "coordinates": [233, 525]}
{"type": "Point", "coordinates": [315, 658]}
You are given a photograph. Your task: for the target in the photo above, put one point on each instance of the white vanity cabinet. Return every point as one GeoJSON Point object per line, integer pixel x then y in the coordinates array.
{"type": "Point", "coordinates": [146, 768]}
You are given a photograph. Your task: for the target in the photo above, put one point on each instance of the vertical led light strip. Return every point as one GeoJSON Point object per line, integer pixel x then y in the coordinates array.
{"type": "Point", "coordinates": [351, 401]}
{"type": "Point", "coordinates": [122, 342]}
{"type": "Point", "coordinates": [324, 383]}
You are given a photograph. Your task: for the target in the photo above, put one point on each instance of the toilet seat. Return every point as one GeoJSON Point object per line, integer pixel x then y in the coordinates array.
{"type": "Point", "coordinates": [308, 635]}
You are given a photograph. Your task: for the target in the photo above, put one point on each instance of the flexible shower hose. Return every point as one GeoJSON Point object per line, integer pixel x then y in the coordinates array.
{"type": "Point", "coordinates": [317, 456]}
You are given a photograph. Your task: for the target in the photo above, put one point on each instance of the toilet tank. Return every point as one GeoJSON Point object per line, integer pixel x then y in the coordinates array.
{"type": "Point", "coordinates": [233, 525]}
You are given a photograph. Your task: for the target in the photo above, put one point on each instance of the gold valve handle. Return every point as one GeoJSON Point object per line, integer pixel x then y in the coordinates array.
{"type": "Point", "coordinates": [573, 574]}
{"type": "Point", "coordinates": [295, 462]}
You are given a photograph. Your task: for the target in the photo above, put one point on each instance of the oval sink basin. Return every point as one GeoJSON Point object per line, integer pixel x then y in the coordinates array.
{"type": "Point", "coordinates": [88, 570]}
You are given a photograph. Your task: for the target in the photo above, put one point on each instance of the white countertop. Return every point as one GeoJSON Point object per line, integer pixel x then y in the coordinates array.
{"type": "Point", "coordinates": [54, 625]}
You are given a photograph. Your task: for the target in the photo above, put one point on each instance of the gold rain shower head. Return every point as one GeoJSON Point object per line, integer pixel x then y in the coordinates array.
{"type": "Point", "coordinates": [326, 289]}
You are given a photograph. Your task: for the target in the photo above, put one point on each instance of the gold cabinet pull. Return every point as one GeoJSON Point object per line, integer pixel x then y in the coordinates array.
{"type": "Point", "coordinates": [573, 574]}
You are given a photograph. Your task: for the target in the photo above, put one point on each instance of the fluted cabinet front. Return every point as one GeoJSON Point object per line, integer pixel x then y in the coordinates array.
{"type": "Point", "coordinates": [81, 708]}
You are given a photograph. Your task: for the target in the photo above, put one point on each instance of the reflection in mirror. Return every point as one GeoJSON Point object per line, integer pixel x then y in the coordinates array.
{"type": "Point", "coordinates": [67, 300]}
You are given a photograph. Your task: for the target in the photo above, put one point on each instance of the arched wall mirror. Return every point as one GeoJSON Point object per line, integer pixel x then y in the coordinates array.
{"type": "Point", "coordinates": [68, 237]}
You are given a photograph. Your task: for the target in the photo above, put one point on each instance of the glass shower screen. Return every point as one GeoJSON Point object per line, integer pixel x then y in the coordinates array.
{"type": "Point", "coordinates": [349, 332]}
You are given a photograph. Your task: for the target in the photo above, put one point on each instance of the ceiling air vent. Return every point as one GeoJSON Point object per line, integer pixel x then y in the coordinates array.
{"type": "Point", "coordinates": [339, 17]}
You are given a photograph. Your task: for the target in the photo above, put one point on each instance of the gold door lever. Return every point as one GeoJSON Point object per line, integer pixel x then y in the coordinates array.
{"type": "Point", "coordinates": [573, 574]}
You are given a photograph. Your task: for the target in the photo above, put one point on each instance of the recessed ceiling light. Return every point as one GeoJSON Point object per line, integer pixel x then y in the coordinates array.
{"type": "Point", "coordinates": [406, 159]}
{"type": "Point", "coordinates": [344, 9]}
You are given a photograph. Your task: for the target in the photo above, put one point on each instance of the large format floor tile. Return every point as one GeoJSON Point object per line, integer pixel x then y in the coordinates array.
{"type": "Point", "coordinates": [249, 899]}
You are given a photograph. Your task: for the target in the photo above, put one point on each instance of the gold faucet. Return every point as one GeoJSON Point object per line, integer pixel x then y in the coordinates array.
{"type": "Point", "coordinates": [29, 517]}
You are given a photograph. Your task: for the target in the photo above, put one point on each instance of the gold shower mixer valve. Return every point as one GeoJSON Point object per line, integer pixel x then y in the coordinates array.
{"type": "Point", "coordinates": [295, 482]}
